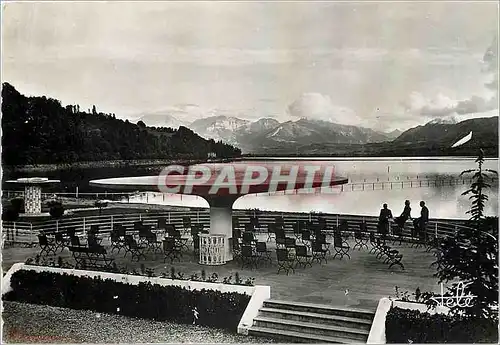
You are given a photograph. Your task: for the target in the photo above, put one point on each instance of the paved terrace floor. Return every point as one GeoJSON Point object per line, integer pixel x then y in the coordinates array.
{"type": "Point", "coordinates": [365, 277]}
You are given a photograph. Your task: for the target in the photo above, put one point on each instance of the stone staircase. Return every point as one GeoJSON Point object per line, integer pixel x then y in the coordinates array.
{"type": "Point", "coordinates": [312, 323]}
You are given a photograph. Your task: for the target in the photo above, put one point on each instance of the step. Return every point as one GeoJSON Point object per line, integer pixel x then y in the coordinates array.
{"type": "Point", "coordinates": [312, 328]}
{"type": "Point", "coordinates": [320, 309]}
{"type": "Point", "coordinates": [333, 320]}
{"type": "Point", "coordinates": [296, 337]}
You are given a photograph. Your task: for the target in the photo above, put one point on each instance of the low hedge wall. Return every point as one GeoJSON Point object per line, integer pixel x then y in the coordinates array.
{"type": "Point", "coordinates": [173, 303]}
{"type": "Point", "coordinates": [404, 325]}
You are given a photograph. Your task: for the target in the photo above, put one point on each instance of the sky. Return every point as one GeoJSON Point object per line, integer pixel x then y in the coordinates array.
{"type": "Point", "coordinates": [374, 64]}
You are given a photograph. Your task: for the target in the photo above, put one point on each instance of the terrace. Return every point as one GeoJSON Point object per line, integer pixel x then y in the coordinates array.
{"type": "Point", "coordinates": [364, 276]}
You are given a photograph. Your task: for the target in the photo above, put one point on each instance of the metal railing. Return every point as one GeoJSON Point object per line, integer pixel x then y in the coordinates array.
{"type": "Point", "coordinates": [26, 232]}
{"type": "Point", "coordinates": [353, 186]}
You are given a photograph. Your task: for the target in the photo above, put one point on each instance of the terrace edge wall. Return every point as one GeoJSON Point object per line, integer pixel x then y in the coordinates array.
{"type": "Point", "coordinates": [258, 293]}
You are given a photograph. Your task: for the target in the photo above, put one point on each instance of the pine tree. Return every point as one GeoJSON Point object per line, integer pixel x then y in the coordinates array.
{"type": "Point", "coordinates": [471, 257]}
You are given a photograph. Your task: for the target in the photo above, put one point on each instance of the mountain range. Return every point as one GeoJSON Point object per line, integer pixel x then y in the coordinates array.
{"type": "Point", "coordinates": [269, 132]}
{"type": "Point", "coordinates": [315, 137]}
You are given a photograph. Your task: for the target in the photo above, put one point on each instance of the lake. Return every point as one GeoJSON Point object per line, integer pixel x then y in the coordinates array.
{"type": "Point", "coordinates": [444, 200]}
{"type": "Point", "coordinates": [412, 179]}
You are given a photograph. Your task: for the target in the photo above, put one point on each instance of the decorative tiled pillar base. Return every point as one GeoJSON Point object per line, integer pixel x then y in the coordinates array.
{"type": "Point", "coordinates": [32, 199]}
{"type": "Point", "coordinates": [212, 249]}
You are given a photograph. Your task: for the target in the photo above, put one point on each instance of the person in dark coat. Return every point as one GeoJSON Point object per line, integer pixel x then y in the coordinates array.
{"type": "Point", "coordinates": [421, 222]}
{"type": "Point", "coordinates": [401, 220]}
{"type": "Point", "coordinates": [383, 219]}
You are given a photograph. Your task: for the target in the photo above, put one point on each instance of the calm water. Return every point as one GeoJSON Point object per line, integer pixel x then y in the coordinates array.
{"type": "Point", "coordinates": [443, 201]}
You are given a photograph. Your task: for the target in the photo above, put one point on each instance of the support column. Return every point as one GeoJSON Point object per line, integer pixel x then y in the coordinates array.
{"type": "Point", "coordinates": [221, 223]}
{"type": "Point", "coordinates": [32, 199]}
{"type": "Point", "coordinates": [221, 220]}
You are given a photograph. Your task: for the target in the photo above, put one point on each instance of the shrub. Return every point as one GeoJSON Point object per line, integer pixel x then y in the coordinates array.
{"type": "Point", "coordinates": [56, 209]}
{"type": "Point", "coordinates": [173, 303]}
{"type": "Point", "coordinates": [17, 204]}
{"type": "Point", "coordinates": [404, 325]}
{"type": "Point", "coordinates": [9, 214]}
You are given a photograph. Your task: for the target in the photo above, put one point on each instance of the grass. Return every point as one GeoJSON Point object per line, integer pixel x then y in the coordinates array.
{"type": "Point", "coordinates": [29, 323]}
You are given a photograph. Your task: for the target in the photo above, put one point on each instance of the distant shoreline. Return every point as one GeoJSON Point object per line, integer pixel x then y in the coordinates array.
{"type": "Point", "coordinates": [108, 164]}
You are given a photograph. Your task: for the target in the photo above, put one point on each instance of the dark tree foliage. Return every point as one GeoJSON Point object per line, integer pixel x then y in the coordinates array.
{"type": "Point", "coordinates": [472, 255]}
{"type": "Point", "coordinates": [38, 130]}
{"type": "Point", "coordinates": [56, 209]}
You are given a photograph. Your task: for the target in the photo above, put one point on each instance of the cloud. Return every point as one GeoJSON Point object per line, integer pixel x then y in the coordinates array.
{"type": "Point", "coordinates": [442, 105]}
{"type": "Point", "coordinates": [320, 107]}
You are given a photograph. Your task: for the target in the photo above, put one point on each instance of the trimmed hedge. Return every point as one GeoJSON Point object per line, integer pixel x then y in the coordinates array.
{"type": "Point", "coordinates": [172, 303]}
{"type": "Point", "coordinates": [403, 325]}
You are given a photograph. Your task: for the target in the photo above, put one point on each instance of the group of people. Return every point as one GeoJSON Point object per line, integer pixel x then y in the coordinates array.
{"type": "Point", "coordinates": [419, 224]}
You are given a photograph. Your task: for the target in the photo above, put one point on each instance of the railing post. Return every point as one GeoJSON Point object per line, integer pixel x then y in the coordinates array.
{"type": "Point", "coordinates": [14, 231]}
{"type": "Point", "coordinates": [198, 216]}
{"type": "Point", "coordinates": [147, 198]}
{"type": "Point", "coordinates": [111, 223]}
{"type": "Point", "coordinates": [140, 217]}
{"type": "Point", "coordinates": [436, 230]}
{"type": "Point", "coordinates": [31, 233]}
{"type": "Point", "coordinates": [84, 224]}
{"type": "Point", "coordinates": [168, 217]}
{"type": "Point", "coordinates": [337, 220]}
{"type": "Point", "coordinates": [57, 225]}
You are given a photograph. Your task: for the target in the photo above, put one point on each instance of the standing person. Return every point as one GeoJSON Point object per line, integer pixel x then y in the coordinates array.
{"type": "Point", "coordinates": [383, 219]}
{"type": "Point", "coordinates": [401, 220]}
{"type": "Point", "coordinates": [421, 222]}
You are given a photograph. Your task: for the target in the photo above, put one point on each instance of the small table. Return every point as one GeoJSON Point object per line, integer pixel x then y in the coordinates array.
{"type": "Point", "coordinates": [212, 249]}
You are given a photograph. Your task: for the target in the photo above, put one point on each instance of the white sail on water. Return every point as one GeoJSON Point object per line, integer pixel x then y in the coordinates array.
{"type": "Point", "coordinates": [463, 140]}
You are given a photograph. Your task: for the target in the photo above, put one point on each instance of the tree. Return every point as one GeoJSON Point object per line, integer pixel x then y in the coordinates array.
{"type": "Point", "coordinates": [141, 124]}
{"type": "Point", "coordinates": [471, 257]}
{"type": "Point", "coordinates": [56, 209]}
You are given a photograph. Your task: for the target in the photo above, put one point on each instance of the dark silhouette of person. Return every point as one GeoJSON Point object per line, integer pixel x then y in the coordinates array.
{"type": "Point", "coordinates": [401, 220]}
{"type": "Point", "coordinates": [421, 222]}
{"type": "Point", "coordinates": [383, 219]}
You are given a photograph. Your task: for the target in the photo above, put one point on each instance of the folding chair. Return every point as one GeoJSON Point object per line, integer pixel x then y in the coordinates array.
{"type": "Point", "coordinates": [302, 257]}
{"type": "Point", "coordinates": [116, 242]}
{"type": "Point", "coordinates": [132, 247]}
{"type": "Point", "coordinates": [60, 242]}
{"type": "Point", "coordinates": [360, 238]}
{"type": "Point", "coordinates": [46, 247]}
{"type": "Point", "coordinates": [284, 261]}
{"type": "Point", "coordinates": [318, 252]}
{"type": "Point", "coordinates": [262, 252]}
{"type": "Point", "coordinates": [248, 258]}
{"type": "Point", "coordinates": [341, 247]}
{"type": "Point", "coordinates": [170, 250]}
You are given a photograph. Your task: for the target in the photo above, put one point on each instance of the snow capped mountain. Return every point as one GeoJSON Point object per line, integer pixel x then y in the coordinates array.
{"type": "Point", "coordinates": [161, 120]}
{"type": "Point", "coordinates": [263, 124]}
{"type": "Point", "coordinates": [218, 127]}
{"type": "Point", "coordinates": [447, 120]}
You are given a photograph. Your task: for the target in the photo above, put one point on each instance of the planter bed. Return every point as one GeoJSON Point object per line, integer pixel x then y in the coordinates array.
{"type": "Point", "coordinates": [145, 300]}
{"type": "Point", "coordinates": [405, 325]}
